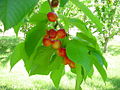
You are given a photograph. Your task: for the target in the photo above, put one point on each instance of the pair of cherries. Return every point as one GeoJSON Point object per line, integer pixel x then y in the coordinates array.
{"type": "Point", "coordinates": [52, 17]}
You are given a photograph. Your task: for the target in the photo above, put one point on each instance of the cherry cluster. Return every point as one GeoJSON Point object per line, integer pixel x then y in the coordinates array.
{"type": "Point", "coordinates": [52, 37]}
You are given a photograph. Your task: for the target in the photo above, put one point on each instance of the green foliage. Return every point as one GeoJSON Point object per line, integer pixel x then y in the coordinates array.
{"type": "Point", "coordinates": [17, 54]}
{"type": "Point", "coordinates": [100, 69]}
{"type": "Point", "coordinates": [88, 13]}
{"type": "Point", "coordinates": [33, 36]}
{"type": "Point", "coordinates": [79, 77]}
{"type": "Point", "coordinates": [57, 74]}
{"type": "Point", "coordinates": [90, 41]}
{"type": "Point", "coordinates": [17, 27]}
{"type": "Point", "coordinates": [12, 12]}
{"type": "Point", "coordinates": [58, 70]}
{"type": "Point", "coordinates": [83, 49]}
{"type": "Point", "coordinates": [78, 23]}
{"type": "Point", "coordinates": [79, 54]}
{"type": "Point", "coordinates": [45, 8]}
{"type": "Point", "coordinates": [63, 2]}
{"type": "Point", "coordinates": [108, 13]}
{"type": "Point", "coordinates": [40, 61]}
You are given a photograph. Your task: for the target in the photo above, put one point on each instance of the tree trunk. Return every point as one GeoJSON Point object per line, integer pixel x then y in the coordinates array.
{"type": "Point", "coordinates": [105, 45]}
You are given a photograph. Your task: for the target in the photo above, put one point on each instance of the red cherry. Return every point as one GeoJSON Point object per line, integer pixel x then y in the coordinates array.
{"type": "Point", "coordinates": [72, 64]}
{"type": "Point", "coordinates": [54, 3]}
{"type": "Point", "coordinates": [52, 16]}
{"type": "Point", "coordinates": [61, 52]}
{"type": "Point", "coordinates": [61, 33]}
{"type": "Point", "coordinates": [47, 42]}
{"type": "Point", "coordinates": [56, 44]}
{"type": "Point", "coordinates": [52, 33]}
{"type": "Point", "coordinates": [66, 60]}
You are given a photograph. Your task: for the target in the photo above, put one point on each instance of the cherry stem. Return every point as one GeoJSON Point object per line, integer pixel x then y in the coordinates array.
{"type": "Point", "coordinates": [57, 23]}
{"type": "Point", "coordinates": [50, 6]}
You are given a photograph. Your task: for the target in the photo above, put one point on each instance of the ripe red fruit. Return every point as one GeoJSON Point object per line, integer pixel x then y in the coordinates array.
{"type": "Point", "coordinates": [54, 3]}
{"type": "Point", "coordinates": [66, 60]}
{"type": "Point", "coordinates": [47, 42]}
{"type": "Point", "coordinates": [56, 44]}
{"type": "Point", "coordinates": [52, 16]}
{"type": "Point", "coordinates": [61, 52]}
{"type": "Point", "coordinates": [52, 33]}
{"type": "Point", "coordinates": [72, 64]}
{"type": "Point", "coordinates": [61, 33]}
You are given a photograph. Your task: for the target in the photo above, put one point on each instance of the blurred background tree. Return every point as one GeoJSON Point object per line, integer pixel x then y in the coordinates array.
{"type": "Point", "coordinates": [108, 11]}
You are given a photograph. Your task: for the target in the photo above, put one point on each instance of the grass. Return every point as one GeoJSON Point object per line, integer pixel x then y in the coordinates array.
{"type": "Point", "coordinates": [18, 78]}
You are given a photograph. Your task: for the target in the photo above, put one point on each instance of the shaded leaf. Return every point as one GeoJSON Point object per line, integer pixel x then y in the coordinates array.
{"type": "Point", "coordinates": [99, 56]}
{"type": "Point", "coordinates": [79, 77]}
{"type": "Point", "coordinates": [40, 61]}
{"type": "Point", "coordinates": [56, 61]}
{"type": "Point", "coordinates": [13, 11]}
{"type": "Point", "coordinates": [33, 37]}
{"type": "Point", "coordinates": [100, 69]}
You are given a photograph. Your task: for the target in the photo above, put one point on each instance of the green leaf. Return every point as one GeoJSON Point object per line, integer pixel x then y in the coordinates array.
{"type": "Point", "coordinates": [57, 74]}
{"type": "Point", "coordinates": [40, 60]}
{"type": "Point", "coordinates": [63, 2]}
{"type": "Point", "coordinates": [79, 54]}
{"type": "Point", "coordinates": [64, 41]}
{"type": "Point", "coordinates": [13, 11]}
{"type": "Point", "coordinates": [99, 56]}
{"type": "Point", "coordinates": [88, 13]}
{"type": "Point", "coordinates": [17, 28]}
{"type": "Point", "coordinates": [56, 61]}
{"type": "Point", "coordinates": [79, 77]}
{"type": "Point", "coordinates": [19, 54]}
{"type": "Point", "coordinates": [25, 59]}
{"type": "Point", "coordinates": [33, 37]}
{"type": "Point", "coordinates": [16, 55]}
{"type": "Point", "coordinates": [90, 74]}
{"type": "Point", "coordinates": [90, 40]}
{"type": "Point", "coordinates": [100, 69]}
{"type": "Point", "coordinates": [78, 23]}
{"type": "Point", "coordinates": [45, 8]}
{"type": "Point", "coordinates": [38, 18]}
{"type": "Point", "coordinates": [36, 33]}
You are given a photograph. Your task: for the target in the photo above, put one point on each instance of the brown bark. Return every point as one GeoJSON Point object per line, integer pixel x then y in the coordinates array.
{"type": "Point", "coordinates": [105, 45]}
